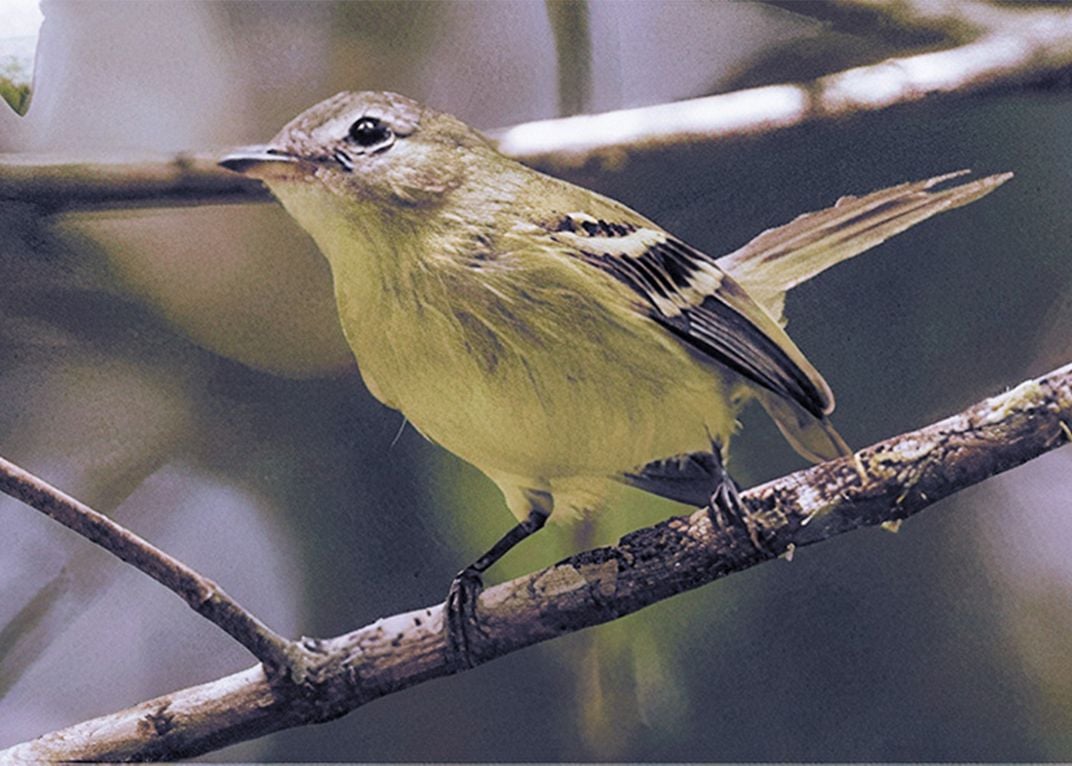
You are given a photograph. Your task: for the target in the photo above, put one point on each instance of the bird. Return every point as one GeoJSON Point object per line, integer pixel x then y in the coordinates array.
{"type": "Point", "coordinates": [550, 336]}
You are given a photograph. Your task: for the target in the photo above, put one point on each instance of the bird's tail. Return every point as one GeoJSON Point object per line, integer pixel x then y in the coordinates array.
{"type": "Point", "coordinates": [779, 259]}
{"type": "Point", "coordinates": [813, 438]}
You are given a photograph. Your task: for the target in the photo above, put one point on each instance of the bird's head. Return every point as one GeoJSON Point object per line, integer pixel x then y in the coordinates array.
{"type": "Point", "coordinates": [370, 147]}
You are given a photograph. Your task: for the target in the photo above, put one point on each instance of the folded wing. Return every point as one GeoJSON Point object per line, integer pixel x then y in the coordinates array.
{"type": "Point", "coordinates": [684, 291]}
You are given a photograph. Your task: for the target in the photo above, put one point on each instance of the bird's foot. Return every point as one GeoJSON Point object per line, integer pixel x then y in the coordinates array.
{"type": "Point", "coordinates": [726, 508]}
{"type": "Point", "coordinates": [460, 618]}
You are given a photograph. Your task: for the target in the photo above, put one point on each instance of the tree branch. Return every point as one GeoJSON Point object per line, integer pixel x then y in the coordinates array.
{"type": "Point", "coordinates": [203, 595]}
{"type": "Point", "coordinates": [1004, 46]}
{"type": "Point", "coordinates": [911, 23]}
{"type": "Point", "coordinates": [59, 187]}
{"type": "Point", "coordinates": [889, 481]}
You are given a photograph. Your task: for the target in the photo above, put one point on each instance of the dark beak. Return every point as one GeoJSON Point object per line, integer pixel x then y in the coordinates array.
{"type": "Point", "coordinates": [260, 162]}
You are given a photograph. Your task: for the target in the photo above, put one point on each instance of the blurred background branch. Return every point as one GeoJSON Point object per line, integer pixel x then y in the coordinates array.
{"type": "Point", "coordinates": [573, 53]}
{"type": "Point", "coordinates": [901, 476]}
{"type": "Point", "coordinates": [58, 187]}
{"type": "Point", "coordinates": [994, 47]}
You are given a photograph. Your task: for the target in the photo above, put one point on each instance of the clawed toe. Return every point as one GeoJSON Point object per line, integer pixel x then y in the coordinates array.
{"type": "Point", "coordinates": [461, 623]}
{"type": "Point", "coordinates": [726, 508]}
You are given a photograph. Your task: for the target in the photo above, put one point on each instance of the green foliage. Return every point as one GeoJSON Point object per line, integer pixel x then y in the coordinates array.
{"type": "Point", "coordinates": [14, 85]}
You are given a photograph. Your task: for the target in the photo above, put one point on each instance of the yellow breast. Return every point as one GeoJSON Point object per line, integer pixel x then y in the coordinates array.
{"type": "Point", "coordinates": [527, 363]}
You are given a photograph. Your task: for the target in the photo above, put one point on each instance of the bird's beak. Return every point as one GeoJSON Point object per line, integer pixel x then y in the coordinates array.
{"type": "Point", "coordinates": [262, 162]}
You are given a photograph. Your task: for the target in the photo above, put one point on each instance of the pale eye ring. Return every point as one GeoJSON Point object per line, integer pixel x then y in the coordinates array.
{"type": "Point", "coordinates": [371, 133]}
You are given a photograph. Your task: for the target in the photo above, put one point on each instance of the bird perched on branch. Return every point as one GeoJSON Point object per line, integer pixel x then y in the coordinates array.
{"type": "Point", "coordinates": [552, 337]}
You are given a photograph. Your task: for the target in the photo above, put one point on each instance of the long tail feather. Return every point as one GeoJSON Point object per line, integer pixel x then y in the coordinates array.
{"type": "Point", "coordinates": [779, 259]}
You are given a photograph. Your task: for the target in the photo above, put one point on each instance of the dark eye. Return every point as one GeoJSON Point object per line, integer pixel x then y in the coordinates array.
{"type": "Point", "coordinates": [369, 132]}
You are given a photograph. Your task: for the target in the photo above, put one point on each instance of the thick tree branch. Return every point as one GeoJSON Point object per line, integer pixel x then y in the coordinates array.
{"type": "Point", "coordinates": [1000, 47]}
{"type": "Point", "coordinates": [886, 482]}
{"type": "Point", "coordinates": [204, 596]}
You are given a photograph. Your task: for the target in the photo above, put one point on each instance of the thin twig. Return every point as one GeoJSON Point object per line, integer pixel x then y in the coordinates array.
{"type": "Point", "coordinates": [903, 476]}
{"type": "Point", "coordinates": [571, 29]}
{"type": "Point", "coordinates": [203, 595]}
{"type": "Point", "coordinates": [906, 24]}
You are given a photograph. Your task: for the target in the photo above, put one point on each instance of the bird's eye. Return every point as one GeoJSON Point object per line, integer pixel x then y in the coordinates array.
{"type": "Point", "coordinates": [368, 132]}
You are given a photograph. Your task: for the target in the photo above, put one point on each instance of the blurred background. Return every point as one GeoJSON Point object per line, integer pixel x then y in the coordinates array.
{"type": "Point", "coordinates": [183, 371]}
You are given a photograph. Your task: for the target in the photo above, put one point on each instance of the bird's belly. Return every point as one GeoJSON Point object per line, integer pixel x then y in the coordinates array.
{"type": "Point", "coordinates": [592, 396]}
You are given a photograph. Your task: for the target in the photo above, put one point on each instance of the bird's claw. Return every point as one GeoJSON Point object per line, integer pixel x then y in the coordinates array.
{"type": "Point", "coordinates": [726, 508]}
{"type": "Point", "coordinates": [461, 622]}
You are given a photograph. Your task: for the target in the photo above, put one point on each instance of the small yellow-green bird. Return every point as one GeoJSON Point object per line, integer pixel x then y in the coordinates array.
{"type": "Point", "coordinates": [552, 337]}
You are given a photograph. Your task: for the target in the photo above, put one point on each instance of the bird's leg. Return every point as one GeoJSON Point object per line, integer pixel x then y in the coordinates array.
{"type": "Point", "coordinates": [460, 617]}
{"type": "Point", "coordinates": [725, 506]}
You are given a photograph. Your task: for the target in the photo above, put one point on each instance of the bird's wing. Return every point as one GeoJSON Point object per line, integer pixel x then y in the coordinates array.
{"type": "Point", "coordinates": [692, 298]}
